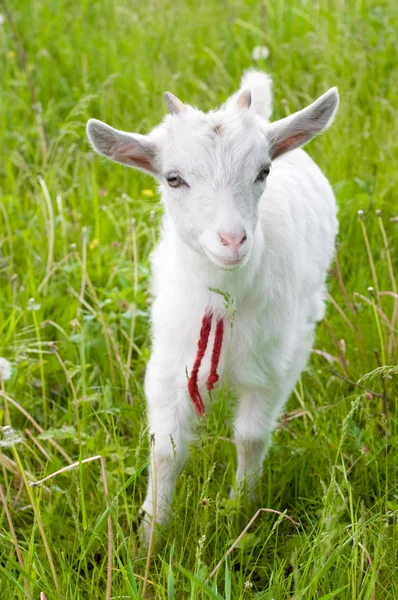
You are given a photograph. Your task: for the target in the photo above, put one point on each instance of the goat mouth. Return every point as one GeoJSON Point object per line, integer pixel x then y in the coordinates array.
{"type": "Point", "coordinates": [226, 263]}
{"type": "Point", "coordinates": [231, 261]}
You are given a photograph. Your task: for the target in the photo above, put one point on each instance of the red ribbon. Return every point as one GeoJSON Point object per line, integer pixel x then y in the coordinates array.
{"type": "Point", "coordinates": [213, 377]}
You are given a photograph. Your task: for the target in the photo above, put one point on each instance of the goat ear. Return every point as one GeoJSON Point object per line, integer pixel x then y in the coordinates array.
{"type": "Point", "coordinates": [296, 130]}
{"type": "Point", "coordinates": [131, 149]}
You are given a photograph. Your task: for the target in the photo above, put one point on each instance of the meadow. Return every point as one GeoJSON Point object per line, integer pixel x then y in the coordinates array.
{"type": "Point", "coordinates": [76, 234]}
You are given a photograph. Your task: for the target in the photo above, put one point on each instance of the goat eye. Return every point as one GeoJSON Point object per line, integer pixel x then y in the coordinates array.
{"type": "Point", "coordinates": [263, 174]}
{"type": "Point", "coordinates": [175, 181]}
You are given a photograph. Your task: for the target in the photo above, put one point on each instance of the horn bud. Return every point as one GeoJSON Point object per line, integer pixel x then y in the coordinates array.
{"type": "Point", "coordinates": [174, 105]}
{"type": "Point", "coordinates": [244, 100]}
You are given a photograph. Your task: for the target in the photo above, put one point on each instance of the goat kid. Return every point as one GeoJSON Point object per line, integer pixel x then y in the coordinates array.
{"type": "Point", "coordinates": [247, 212]}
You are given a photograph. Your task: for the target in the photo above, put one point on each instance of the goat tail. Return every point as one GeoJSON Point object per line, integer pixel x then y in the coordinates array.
{"type": "Point", "coordinates": [260, 85]}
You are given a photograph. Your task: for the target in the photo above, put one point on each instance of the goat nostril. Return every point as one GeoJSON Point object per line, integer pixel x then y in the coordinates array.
{"type": "Point", "coordinates": [232, 240]}
{"type": "Point", "coordinates": [223, 241]}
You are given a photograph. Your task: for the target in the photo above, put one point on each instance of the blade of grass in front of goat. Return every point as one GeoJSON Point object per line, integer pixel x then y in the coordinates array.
{"type": "Point", "coordinates": [101, 520]}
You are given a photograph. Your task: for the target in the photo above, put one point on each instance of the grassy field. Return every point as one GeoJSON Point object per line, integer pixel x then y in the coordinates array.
{"type": "Point", "coordinates": [76, 234]}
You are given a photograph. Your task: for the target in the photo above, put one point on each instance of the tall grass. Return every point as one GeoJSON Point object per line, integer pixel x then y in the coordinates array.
{"type": "Point", "coordinates": [76, 234]}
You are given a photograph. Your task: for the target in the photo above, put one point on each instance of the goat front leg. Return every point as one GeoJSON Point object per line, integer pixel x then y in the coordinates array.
{"type": "Point", "coordinates": [254, 423]}
{"type": "Point", "coordinates": [169, 419]}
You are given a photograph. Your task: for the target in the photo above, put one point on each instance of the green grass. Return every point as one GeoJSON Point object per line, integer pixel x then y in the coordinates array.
{"type": "Point", "coordinates": [78, 242]}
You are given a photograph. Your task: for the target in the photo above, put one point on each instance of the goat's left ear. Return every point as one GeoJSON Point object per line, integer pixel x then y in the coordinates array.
{"type": "Point", "coordinates": [296, 130]}
{"type": "Point", "coordinates": [130, 149]}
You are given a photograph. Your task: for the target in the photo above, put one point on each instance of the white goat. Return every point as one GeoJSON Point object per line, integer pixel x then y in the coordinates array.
{"type": "Point", "coordinates": [244, 215]}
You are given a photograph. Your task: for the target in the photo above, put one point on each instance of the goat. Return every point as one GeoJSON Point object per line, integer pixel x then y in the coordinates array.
{"type": "Point", "coordinates": [246, 212]}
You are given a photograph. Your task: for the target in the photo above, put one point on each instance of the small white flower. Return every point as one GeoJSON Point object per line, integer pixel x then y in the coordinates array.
{"type": "Point", "coordinates": [248, 584]}
{"type": "Point", "coordinates": [2, 19]}
{"type": "Point", "coordinates": [11, 437]}
{"type": "Point", "coordinates": [260, 52]}
{"type": "Point", "coordinates": [32, 304]}
{"type": "Point", "coordinates": [360, 213]}
{"type": "Point", "coordinates": [5, 369]}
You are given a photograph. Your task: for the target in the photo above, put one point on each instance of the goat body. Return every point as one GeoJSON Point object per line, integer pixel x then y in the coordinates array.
{"type": "Point", "coordinates": [265, 240]}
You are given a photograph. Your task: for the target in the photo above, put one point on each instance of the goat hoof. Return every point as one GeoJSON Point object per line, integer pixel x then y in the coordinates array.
{"type": "Point", "coordinates": [148, 536]}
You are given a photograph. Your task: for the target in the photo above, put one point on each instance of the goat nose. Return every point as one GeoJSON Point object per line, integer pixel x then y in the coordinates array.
{"type": "Point", "coordinates": [233, 240]}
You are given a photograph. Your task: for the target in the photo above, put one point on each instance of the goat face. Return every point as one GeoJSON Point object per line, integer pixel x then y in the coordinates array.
{"type": "Point", "coordinates": [213, 172]}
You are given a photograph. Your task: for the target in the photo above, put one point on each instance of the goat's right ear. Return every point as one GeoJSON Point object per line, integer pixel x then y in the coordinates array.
{"type": "Point", "coordinates": [131, 149]}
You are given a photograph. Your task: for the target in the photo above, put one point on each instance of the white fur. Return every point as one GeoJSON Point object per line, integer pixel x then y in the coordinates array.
{"type": "Point", "coordinates": [278, 286]}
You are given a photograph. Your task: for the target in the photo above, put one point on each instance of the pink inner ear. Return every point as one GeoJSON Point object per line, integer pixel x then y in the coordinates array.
{"type": "Point", "coordinates": [141, 162]}
{"type": "Point", "coordinates": [287, 143]}
{"type": "Point", "coordinates": [128, 153]}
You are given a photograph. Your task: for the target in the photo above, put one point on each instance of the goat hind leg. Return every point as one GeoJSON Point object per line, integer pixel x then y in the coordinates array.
{"type": "Point", "coordinates": [253, 427]}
